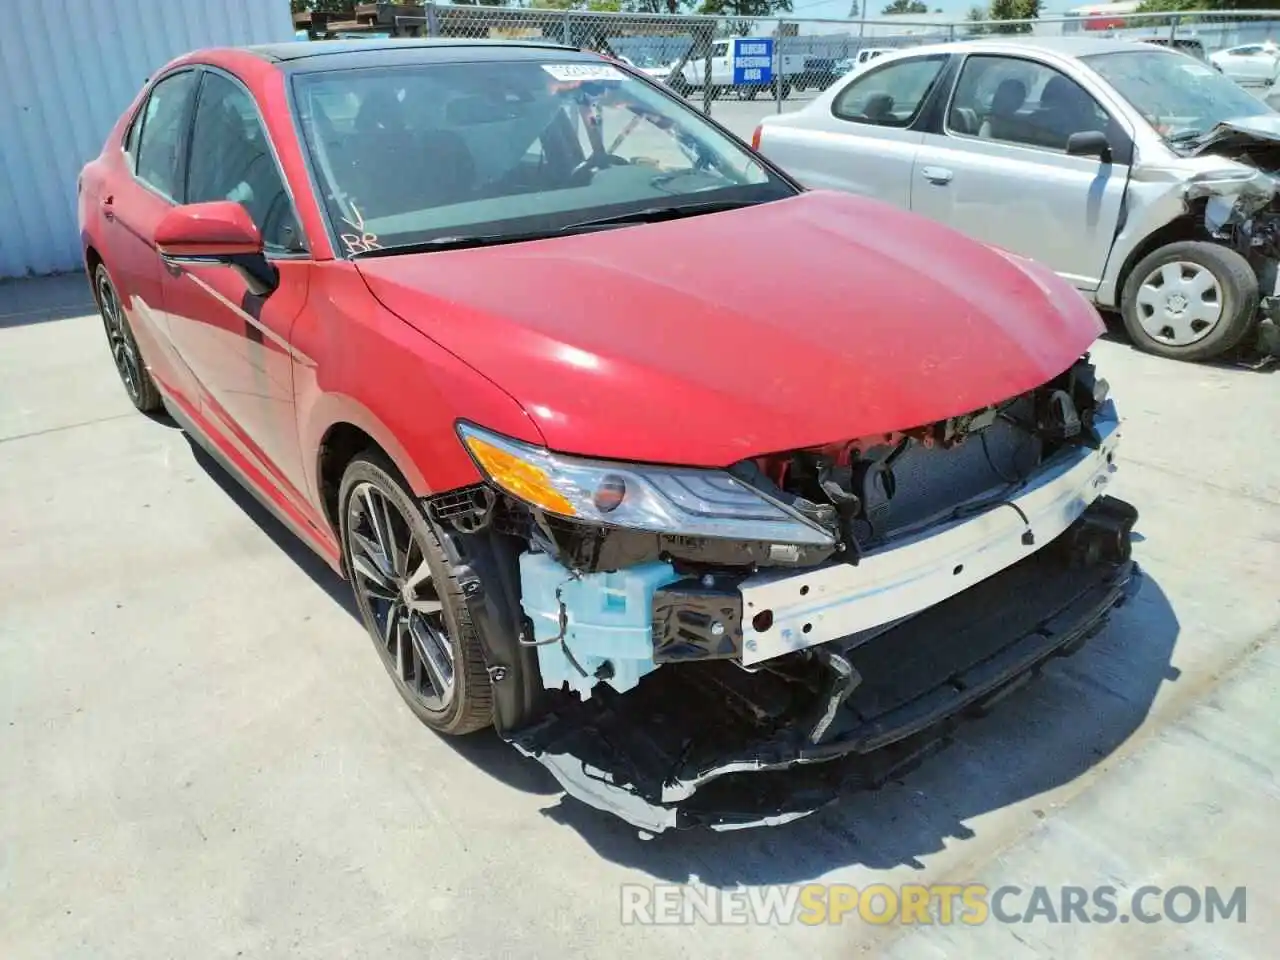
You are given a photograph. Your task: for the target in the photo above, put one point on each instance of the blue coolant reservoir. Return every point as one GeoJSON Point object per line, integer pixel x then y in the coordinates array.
{"type": "Point", "coordinates": [610, 621]}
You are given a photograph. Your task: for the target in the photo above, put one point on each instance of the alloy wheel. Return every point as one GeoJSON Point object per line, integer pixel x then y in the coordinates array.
{"type": "Point", "coordinates": [395, 586]}
{"type": "Point", "coordinates": [1180, 303]}
{"type": "Point", "coordinates": [123, 349]}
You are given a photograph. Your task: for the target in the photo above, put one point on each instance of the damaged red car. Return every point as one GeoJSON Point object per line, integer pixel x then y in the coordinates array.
{"type": "Point", "coordinates": [716, 496]}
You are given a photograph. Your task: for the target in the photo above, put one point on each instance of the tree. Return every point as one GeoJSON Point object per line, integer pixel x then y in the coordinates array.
{"type": "Point", "coordinates": [977, 17]}
{"type": "Point", "coordinates": [1013, 10]}
{"type": "Point", "coordinates": [745, 9]}
{"type": "Point", "coordinates": [905, 6]}
{"type": "Point", "coordinates": [671, 7]}
{"type": "Point", "coordinates": [855, 9]}
{"type": "Point", "coordinates": [743, 13]}
{"type": "Point", "coordinates": [322, 6]}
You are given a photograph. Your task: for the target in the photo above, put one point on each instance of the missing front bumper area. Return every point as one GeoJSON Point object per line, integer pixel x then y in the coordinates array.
{"type": "Point", "coordinates": [709, 743]}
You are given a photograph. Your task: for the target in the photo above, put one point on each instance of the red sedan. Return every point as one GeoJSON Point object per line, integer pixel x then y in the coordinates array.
{"type": "Point", "coordinates": [677, 474]}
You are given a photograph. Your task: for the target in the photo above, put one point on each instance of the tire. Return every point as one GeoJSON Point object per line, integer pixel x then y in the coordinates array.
{"type": "Point", "coordinates": [439, 628]}
{"type": "Point", "coordinates": [125, 353]}
{"type": "Point", "coordinates": [1165, 323]}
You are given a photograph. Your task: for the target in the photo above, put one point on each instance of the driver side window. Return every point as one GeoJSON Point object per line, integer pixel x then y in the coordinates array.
{"type": "Point", "coordinates": [231, 160]}
{"type": "Point", "coordinates": [1017, 101]}
{"type": "Point", "coordinates": [891, 95]}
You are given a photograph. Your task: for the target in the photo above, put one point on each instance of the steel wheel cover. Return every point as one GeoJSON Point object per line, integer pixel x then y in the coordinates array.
{"type": "Point", "coordinates": [1180, 303]}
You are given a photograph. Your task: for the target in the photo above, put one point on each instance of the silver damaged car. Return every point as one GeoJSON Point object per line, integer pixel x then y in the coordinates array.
{"type": "Point", "coordinates": [1142, 175]}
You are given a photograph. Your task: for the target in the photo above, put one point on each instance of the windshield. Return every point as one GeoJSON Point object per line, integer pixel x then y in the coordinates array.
{"type": "Point", "coordinates": [1181, 98]}
{"type": "Point", "coordinates": [446, 151]}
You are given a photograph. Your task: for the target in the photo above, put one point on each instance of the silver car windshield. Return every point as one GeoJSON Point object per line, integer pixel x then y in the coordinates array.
{"type": "Point", "coordinates": [411, 154]}
{"type": "Point", "coordinates": [1180, 97]}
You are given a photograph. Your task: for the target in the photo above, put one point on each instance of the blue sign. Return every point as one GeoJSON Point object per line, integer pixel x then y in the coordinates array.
{"type": "Point", "coordinates": [753, 61]}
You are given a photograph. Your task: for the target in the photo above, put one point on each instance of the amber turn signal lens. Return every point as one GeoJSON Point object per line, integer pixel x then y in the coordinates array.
{"type": "Point", "coordinates": [519, 478]}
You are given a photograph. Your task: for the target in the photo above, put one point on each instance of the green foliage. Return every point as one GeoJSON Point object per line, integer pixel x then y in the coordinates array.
{"type": "Point", "coordinates": [745, 9]}
{"type": "Point", "coordinates": [1013, 10]}
{"type": "Point", "coordinates": [976, 15]}
{"type": "Point", "coordinates": [905, 6]}
{"type": "Point", "coordinates": [322, 6]}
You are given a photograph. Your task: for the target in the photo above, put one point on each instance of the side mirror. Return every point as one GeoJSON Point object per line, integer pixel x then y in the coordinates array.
{"type": "Point", "coordinates": [1089, 143]}
{"type": "Point", "coordinates": [220, 232]}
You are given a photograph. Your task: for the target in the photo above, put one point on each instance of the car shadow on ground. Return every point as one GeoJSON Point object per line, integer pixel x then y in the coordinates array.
{"type": "Point", "coordinates": [485, 749]}
{"type": "Point", "coordinates": [1048, 734]}
{"type": "Point", "coordinates": [1249, 363]}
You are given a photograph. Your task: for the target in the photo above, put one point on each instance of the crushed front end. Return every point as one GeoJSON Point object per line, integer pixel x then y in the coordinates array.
{"type": "Point", "coordinates": [735, 648]}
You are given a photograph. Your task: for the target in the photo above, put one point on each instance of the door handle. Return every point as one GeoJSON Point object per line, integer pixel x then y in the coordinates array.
{"type": "Point", "coordinates": [938, 175]}
{"type": "Point", "coordinates": [107, 204]}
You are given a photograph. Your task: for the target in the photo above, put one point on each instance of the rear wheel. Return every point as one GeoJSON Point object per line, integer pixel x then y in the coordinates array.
{"type": "Point", "coordinates": [409, 600]}
{"type": "Point", "coordinates": [1190, 300]}
{"type": "Point", "coordinates": [124, 348]}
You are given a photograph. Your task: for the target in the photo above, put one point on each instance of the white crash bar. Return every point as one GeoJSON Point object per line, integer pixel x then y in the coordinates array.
{"type": "Point", "coordinates": [913, 574]}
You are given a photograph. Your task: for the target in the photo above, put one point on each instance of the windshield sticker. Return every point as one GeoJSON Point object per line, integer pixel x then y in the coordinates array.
{"type": "Point", "coordinates": [577, 72]}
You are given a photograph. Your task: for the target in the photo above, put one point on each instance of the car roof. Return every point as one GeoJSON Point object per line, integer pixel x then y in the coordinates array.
{"type": "Point", "coordinates": [1062, 46]}
{"type": "Point", "coordinates": [343, 53]}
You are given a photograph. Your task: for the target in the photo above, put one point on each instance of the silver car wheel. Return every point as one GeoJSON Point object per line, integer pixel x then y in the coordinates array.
{"type": "Point", "coordinates": [394, 585]}
{"type": "Point", "coordinates": [1180, 303]}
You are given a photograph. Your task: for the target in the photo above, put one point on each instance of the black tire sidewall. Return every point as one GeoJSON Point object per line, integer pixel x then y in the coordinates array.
{"type": "Point", "coordinates": [148, 398]}
{"type": "Point", "coordinates": [1236, 278]}
{"type": "Point", "coordinates": [471, 706]}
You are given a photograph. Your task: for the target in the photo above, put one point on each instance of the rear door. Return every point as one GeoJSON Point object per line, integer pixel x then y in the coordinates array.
{"type": "Point", "coordinates": [132, 205]}
{"type": "Point", "coordinates": [996, 166]}
{"type": "Point", "coordinates": [866, 142]}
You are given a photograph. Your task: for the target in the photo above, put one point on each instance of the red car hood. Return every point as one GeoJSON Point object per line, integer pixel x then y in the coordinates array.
{"type": "Point", "coordinates": [706, 340]}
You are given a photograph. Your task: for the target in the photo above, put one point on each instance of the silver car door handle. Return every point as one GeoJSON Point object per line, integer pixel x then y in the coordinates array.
{"type": "Point", "coordinates": [939, 175]}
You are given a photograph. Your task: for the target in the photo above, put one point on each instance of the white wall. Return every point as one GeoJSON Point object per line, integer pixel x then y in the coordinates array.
{"type": "Point", "coordinates": [67, 70]}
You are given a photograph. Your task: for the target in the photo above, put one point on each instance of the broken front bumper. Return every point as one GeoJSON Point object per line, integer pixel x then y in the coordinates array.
{"type": "Point", "coordinates": [783, 612]}
{"type": "Point", "coordinates": [713, 743]}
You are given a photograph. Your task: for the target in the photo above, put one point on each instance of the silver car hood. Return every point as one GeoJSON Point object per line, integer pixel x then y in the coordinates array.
{"type": "Point", "coordinates": [1264, 127]}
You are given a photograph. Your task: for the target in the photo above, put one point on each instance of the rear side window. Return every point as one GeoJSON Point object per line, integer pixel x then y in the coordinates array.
{"type": "Point", "coordinates": [890, 95]}
{"type": "Point", "coordinates": [232, 160]}
{"type": "Point", "coordinates": [164, 127]}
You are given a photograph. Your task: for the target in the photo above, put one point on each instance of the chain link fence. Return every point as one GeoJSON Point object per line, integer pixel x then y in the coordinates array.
{"type": "Point", "coordinates": [696, 55]}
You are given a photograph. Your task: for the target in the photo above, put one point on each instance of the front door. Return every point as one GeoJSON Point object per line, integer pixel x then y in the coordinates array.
{"type": "Point", "coordinates": [236, 342]}
{"type": "Point", "coordinates": [999, 170]}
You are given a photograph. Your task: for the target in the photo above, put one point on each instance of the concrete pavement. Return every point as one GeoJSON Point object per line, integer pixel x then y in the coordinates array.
{"type": "Point", "coordinates": [201, 756]}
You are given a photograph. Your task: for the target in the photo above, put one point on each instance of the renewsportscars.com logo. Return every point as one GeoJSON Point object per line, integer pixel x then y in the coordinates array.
{"type": "Point", "coordinates": [971, 904]}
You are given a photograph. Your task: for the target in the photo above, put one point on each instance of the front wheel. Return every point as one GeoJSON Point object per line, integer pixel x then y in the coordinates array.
{"type": "Point", "coordinates": [409, 600]}
{"type": "Point", "coordinates": [1190, 300]}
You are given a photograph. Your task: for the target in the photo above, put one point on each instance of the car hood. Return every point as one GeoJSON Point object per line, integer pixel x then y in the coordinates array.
{"type": "Point", "coordinates": [706, 340]}
{"type": "Point", "coordinates": [1262, 128]}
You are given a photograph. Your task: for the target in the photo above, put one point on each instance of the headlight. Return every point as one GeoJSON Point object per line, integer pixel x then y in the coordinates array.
{"type": "Point", "coordinates": [678, 500]}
